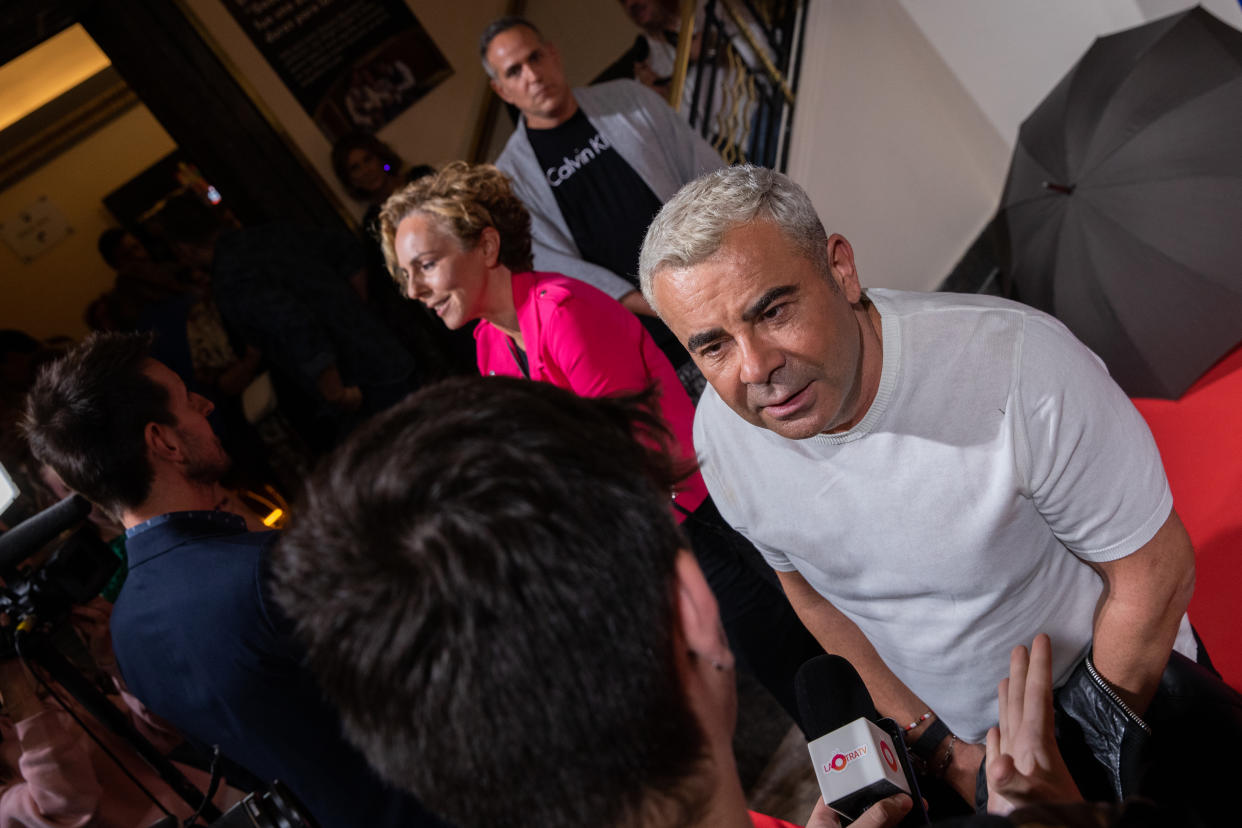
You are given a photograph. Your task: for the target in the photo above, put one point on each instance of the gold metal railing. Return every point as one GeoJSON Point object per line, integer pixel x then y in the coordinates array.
{"type": "Point", "coordinates": [681, 65]}
{"type": "Point", "coordinates": [745, 75]}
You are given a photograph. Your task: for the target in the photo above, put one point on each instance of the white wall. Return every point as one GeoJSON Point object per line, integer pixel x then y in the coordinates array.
{"type": "Point", "coordinates": [47, 296]}
{"type": "Point", "coordinates": [895, 153]}
{"type": "Point", "coordinates": [909, 109]}
{"type": "Point", "coordinates": [1010, 54]}
{"type": "Point", "coordinates": [590, 34]}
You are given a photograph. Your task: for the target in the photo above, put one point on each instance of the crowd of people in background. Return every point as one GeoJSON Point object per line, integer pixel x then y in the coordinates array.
{"type": "Point", "coordinates": [412, 520]}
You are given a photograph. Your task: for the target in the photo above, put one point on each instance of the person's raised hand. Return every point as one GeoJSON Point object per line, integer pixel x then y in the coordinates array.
{"type": "Point", "coordinates": [1024, 765]}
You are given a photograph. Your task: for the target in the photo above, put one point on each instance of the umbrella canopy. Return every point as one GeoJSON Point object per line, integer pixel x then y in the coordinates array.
{"type": "Point", "coordinates": [1122, 212]}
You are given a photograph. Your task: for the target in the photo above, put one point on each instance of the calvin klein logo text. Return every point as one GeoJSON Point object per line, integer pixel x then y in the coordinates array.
{"type": "Point", "coordinates": [559, 175]}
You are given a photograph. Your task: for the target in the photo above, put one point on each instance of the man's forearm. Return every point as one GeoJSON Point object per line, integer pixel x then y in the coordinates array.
{"type": "Point", "coordinates": [837, 634]}
{"type": "Point", "coordinates": [1145, 596]}
{"type": "Point", "coordinates": [1131, 651]}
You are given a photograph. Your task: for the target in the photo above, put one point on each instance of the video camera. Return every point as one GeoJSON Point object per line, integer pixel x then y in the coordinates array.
{"type": "Point", "coordinates": [75, 573]}
{"type": "Point", "coordinates": [38, 601]}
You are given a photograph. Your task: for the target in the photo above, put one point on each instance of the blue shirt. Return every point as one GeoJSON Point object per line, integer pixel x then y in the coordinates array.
{"type": "Point", "coordinates": [200, 642]}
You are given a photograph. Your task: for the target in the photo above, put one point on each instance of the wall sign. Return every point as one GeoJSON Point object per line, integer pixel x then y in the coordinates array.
{"type": "Point", "coordinates": [35, 229]}
{"type": "Point", "coordinates": [352, 64]}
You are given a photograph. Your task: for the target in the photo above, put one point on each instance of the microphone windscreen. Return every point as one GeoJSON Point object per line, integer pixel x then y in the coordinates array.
{"type": "Point", "coordinates": [830, 695]}
{"type": "Point", "coordinates": [27, 537]}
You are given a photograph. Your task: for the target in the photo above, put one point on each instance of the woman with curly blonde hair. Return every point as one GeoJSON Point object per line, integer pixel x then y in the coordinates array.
{"type": "Point", "coordinates": [459, 242]}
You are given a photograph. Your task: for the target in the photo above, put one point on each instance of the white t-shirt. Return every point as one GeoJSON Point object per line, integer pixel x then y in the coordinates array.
{"type": "Point", "coordinates": [949, 523]}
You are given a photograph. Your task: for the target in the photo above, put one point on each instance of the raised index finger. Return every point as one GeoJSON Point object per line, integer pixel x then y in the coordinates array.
{"type": "Point", "coordinates": [1037, 699]}
{"type": "Point", "coordinates": [1018, 661]}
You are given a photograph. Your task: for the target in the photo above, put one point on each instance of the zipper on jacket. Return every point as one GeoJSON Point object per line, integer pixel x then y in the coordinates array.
{"type": "Point", "coordinates": [1112, 694]}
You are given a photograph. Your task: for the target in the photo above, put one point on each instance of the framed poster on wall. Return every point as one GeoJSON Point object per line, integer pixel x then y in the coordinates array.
{"type": "Point", "coordinates": [352, 64]}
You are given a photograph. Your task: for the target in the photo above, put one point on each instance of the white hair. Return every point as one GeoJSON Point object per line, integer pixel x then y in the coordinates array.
{"type": "Point", "coordinates": [691, 226]}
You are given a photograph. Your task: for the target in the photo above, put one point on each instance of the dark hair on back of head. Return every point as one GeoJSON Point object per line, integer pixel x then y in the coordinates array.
{"type": "Point", "coordinates": [86, 417]}
{"type": "Point", "coordinates": [108, 242]}
{"type": "Point", "coordinates": [418, 171]}
{"type": "Point", "coordinates": [185, 218]}
{"type": "Point", "coordinates": [483, 578]}
{"type": "Point", "coordinates": [13, 341]}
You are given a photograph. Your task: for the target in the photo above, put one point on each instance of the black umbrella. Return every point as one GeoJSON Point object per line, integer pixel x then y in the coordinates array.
{"type": "Point", "coordinates": [1122, 213]}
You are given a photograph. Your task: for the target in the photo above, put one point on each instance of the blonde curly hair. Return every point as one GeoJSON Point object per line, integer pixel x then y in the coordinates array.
{"type": "Point", "coordinates": [466, 199]}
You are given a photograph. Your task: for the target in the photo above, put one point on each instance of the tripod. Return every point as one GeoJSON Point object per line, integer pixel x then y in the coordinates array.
{"type": "Point", "coordinates": [35, 648]}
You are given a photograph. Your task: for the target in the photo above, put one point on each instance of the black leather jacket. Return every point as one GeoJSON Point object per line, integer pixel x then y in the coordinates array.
{"type": "Point", "coordinates": [1183, 753]}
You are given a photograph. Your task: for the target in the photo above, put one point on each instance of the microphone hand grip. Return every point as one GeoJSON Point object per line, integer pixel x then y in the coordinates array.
{"type": "Point", "coordinates": [860, 757]}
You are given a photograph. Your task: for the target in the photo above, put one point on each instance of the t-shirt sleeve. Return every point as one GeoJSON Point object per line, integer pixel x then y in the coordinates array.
{"type": "Point", "coordinates": [776, 559]}
{"type": "Point", "coordinates": [1091, 465]}
{"type": "Point", "coordinates": [715, 444]}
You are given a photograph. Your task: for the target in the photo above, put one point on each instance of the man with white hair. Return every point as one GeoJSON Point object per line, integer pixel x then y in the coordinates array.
{"type": "Point", "coordinates": [935, 477]}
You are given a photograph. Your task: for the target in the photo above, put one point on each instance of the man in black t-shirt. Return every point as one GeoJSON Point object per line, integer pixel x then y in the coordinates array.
{"type": "Point", "coordinates": [593, 166]}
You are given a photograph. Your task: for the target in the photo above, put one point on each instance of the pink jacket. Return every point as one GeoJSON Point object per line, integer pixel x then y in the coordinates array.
{"type": "Point", "coordinates": [580, 339]}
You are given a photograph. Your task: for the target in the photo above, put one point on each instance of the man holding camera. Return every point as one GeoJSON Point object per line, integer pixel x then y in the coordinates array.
{"type": "Point", "coordinates": [196, 636]}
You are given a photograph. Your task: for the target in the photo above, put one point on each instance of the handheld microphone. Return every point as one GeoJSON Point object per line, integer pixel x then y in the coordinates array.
{"type": "Point", "coordinates": [859, 757]}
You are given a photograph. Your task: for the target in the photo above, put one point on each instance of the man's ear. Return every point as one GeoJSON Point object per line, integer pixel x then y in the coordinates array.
{"type": "Point", "coordinates": [841, 263]}
{"type": "Point", "coordinates": [697, 614]}
{"type": "Point", "coordinates": [163, 442]}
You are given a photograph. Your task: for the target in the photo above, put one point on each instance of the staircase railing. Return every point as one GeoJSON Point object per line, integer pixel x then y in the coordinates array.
{"type": "Point", "coordinates": [736, 75]}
